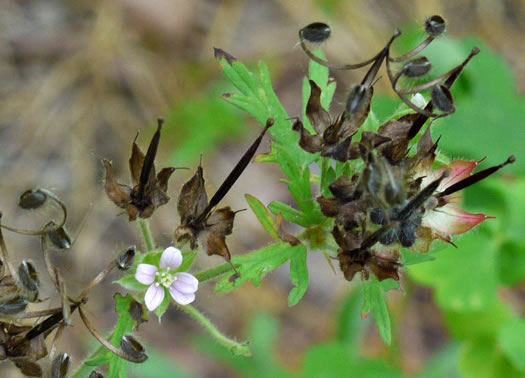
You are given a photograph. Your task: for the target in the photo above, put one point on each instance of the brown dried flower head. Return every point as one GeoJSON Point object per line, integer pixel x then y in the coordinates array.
{"type": "Point", "coordinates": [149, 189]}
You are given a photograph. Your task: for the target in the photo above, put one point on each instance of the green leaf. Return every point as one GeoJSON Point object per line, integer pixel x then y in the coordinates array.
{"type": "Point", "coordinates": [480, 325]}
{"type": "Point", "coordinates": [511, 263]}
{"type": "Point", "coordinates": [335, 360]}
{"type": "Point", "coordinates": [300, 188]}
{"type": "Point", "coordinates": [258, 98]}
{"type": "Point", "coordinates": [289, 213]}
{"type": "Point", "coordinates": [374, 301]}
{"type": "Point", "coordinates": [298, 275]}
{"type": "Point", "coordinates": [485, 360]}
{"type": "Point", "coordinates": [256, 265]}
{"type": "Point", "coordinates": [512, 341]}
{"type": "Point", "coordinates": [464, 278]}
{"type": "Point", "coordinates": [129, 282]}
{"type": "Point", "coordinates": [263, 215]}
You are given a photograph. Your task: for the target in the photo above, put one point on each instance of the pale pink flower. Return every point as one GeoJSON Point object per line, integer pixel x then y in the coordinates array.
{"type": "Point", "coordinates": [181, 285]}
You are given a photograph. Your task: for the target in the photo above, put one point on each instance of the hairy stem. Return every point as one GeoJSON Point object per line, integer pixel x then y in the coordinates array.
{"type": "Point", "coordinates": [238, 349]}
{"type": "Point", "coordinates": [146, 234]}
{"type": "Point", "coordinates": [214, 272]}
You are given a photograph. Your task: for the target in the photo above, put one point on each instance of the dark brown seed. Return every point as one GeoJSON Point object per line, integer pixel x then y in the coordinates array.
{"type": "Point", "coordinates": [58, 237]}
{"type": "Point", "coordinates": [133, 348]}
{"type": "Point", "coordinates": [435, 25]}
{"type": "Point", "coordinates": [417, 67]}
{"type": "Point", "coordinates": [442, 99]}
{"type": "Point", "coordinates": [32, 199]}
{"type": "Point", "coordinates": [317, 32]}
{"type": "Point", "coordinates": [125, 259]}
{"type": "Point", "coordinates": [13, 306]}
{"type": "Point", "coordinates": [60, 366]}
{"type": "Point", "coordinates": [28, 277]}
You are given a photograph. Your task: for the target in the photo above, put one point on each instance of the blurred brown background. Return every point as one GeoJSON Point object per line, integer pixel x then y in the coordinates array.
{"type": "Point", "coordinates": [79, 78]}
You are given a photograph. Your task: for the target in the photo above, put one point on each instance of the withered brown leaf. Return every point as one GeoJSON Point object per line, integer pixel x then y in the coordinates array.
{"type": "Point", "coordinates": [200, 222]}
{"type": "Point", "coordinates": [149, 189]}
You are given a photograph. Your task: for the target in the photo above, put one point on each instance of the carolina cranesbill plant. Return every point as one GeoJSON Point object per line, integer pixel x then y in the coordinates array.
{"type": "Point", "coordinates": [383, 196]}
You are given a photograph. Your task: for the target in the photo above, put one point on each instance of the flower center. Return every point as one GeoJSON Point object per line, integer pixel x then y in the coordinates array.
{"type": "Point", "coordinates": [165, 278]}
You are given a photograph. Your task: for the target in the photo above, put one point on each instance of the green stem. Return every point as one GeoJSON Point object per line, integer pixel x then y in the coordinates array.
{"type": "Point", "coordinates": [238, 349]}
{"type": "Point", "coordinates": [214, 272]}
{"type": "Point", "coordinates": [146, 234]}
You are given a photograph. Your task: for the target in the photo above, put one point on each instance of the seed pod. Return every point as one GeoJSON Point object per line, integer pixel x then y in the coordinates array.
{"type": "Point", "coordinates": [126, 258]}
{"type": "Point", "coordinates": [58, 237]}
{"type": "Point", "coordinates": [29, 281]}
{"type": "Point", "coordinates": [442, 99]}
{"type": "Point", "coordinates": [32, 199]}
{"type": "Point", "coordinates": [60, 366]}
{"type": "Point", "coordinates": [417, 67]}
{"type": "Point", "coordinates": [317, 32]}
{"type": "Point", "coordinates": [133, 348]}
{"type": "Point", "coordinates": [435, 25]}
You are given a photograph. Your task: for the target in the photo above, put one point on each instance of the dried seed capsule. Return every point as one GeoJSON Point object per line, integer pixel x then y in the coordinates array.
{"type": "Point", "coordinates": [417, 67]}
{"type": "Point", "coordinates": [317, 32]}
{"type": "Point", "coordinates": [442, 99]}
{"type": "Point", "coordinates": [60, 366]}
{"type": "Point", "coordinates": [133, 348]}
{"type": "Point", "coordinates": [125, 259]}
{"type": "Point", "coordinates": [32, 199]}
{"type": "Point", "coordinates": [435, 25]}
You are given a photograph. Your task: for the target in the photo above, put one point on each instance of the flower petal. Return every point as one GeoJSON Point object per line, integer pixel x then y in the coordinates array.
{"type": "Point", "coordinates": [182, 298]}
{"type": "Point", "coordinates": [146, 273]}
{"type": "Point", "coordinates": [183, 287]}
{"type": "Point", "coordinates": [154, 297]}
{"type": "Point", "coordinates": [188, 280]}
{"type": "Point", "coordinates": [458, 170]}
{"type": "Point", "coordinates": [171, 258]}
{"type": "Point", "coordinates": [451, 220]}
